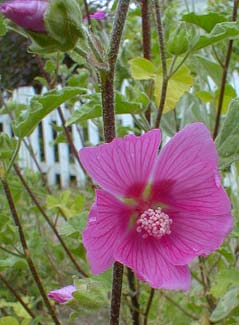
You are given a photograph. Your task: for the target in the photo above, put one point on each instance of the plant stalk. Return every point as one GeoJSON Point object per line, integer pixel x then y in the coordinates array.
{"type": "Point", "coordinates": [163, 62]}
{"type": "Point", "coordinates": [224, 75]}
{"type": "Point", "coordinates": [134, 297]}
{"type": "Point", "coordinates": [27, 252]}
{"type": "Point", "coordinates": [48, 220]}
{"type": "Point", "coordinates": [107, 88]}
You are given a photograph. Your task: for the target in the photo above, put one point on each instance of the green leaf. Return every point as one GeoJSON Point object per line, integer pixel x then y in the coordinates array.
{"type": "Point", "coordinates": [7, 146]}
{"type": "Point", "coordinates": [206, 22]}
{"type": "Point", "coordinates": [142, 69]}
{"type": "Point", "coordinates": [178, 84]}
{"type": "Point", "coordinates": [220, 32]}
{"type": "Point", "coordinates": [92, 109]}
{"type": "Point", "coordinates": [226, 305]}
{"type": "Point", "coordinates": [223, 280]}
{"type": "Point", "coordinates": [41, 106]}
{"type": "Point", "coordinates": [8, 320]}
{"type": "Point", "coordinates": [3, 26]}
{"type": "Point", "coordinates": [13, 262]}
{"type": "Point", "coordinates": [227, 141]}
{"type": "Point", "coordinates": [207, 66]}
{"type": "Point", "coordinates": [229, 94]}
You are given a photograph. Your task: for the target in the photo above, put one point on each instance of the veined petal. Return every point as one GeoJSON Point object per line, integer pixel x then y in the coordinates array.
{"type": "Point", "coordinates": [194, 235]}
{"type": "Point", "coordinates": [186, 175]}
{"type": "Point", "coordinates": [145, 258]}
{"type": "Point", "coordinates": [123, 166]}
{"type": "Point", "coordinates": [107, 224]}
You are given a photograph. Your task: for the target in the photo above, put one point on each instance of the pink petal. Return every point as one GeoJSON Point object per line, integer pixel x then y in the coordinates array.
{"type": "Point", "coordinates": [124, 165]}
{"type": "Point", "coordinates": [107, 224]}
{"type": "Point", "coordinates": [62, 295]}
{"type": "Point", "coordinates": [186, 175]}
{"type": "Point", "coordinates": [194, 235]}
{"type": "Point", "coordinates": [145, 258]}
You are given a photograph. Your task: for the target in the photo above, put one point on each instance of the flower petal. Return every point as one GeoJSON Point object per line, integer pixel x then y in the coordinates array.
{"type": "Point", "coordinates": [145, 258]}
{"type": "Point", "coordinates": [186, 175]}
{"type": "Point", "coordinates": [194, 235]}
{"type": "Point", "coordinates": [124, 165]}
{"type": "Point", "coordinates": [107, 223]}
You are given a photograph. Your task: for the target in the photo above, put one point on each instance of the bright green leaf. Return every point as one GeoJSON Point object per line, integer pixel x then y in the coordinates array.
{"type": "Point", "coordinates": [206, 22]}
{"type": "Point", "coordinates": [207, 66]}
{"type": "Point", "coordinates": [227, 141]}
{"type": "Point", "coordinates": [41, 106]}
{"type": "Point", "coordinates": [142, 69]}
{"type": "Point", "coordinates": [8, 320]}
{"type": "Point", "coordinates": [226, 305]}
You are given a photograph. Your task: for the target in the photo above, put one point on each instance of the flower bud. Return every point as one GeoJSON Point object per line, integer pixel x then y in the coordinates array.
{"type": "Point", "coordinates": [27, 14]}
{"type": "Point", "coordinates": [178, 42]}
{"type": "Point", "coordinates": [63, 22]}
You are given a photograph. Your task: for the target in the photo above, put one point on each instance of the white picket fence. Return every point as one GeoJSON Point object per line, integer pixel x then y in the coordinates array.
{"type": "Point", "coordinates": [54, 159]}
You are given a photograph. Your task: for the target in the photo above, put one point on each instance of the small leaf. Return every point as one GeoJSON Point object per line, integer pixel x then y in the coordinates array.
{"type": "Point", "coordinates": [142, 69]}
{"type": "Point", "coordinates": [206, 22]}
{"type": "Point", "coordinates": [226, 305]}
{"type": "Point", "coordinates": [227, 141]}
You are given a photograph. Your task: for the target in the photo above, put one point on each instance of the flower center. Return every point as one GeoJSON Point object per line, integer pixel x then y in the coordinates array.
{"type": "Point", "coordinates": [154, 223]}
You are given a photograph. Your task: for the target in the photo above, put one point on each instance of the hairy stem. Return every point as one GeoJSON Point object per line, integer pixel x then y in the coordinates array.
{"type": "Point", "coordinates": [149, 303]}
{"type": "Point", "coordinates": [224, 74]}
{"type": "Point", "coordinates": [107, 86]}
{"type": "Point", "coordinates": [146, 29]}
{"type": "Point", "coordinates": [27, 252]}
{"type": "Point", "coordinates": [163, 62]}
{"type": "Point", "coordinates": [134, 297]}
{"type": "Point", "coordinates": [17, 296]}
{"type": "Point", "coordinates": [48, 220]}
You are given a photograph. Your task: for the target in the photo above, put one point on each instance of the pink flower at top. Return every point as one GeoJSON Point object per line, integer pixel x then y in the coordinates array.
{"type": "Point", "coordinates": [98, 15]}
{"type": "Point", "coordinates": [28, 14]}
{"type": "Point", "coordinates": [156, 213]}
{"type": "Point", "coordinates": [62, 295]}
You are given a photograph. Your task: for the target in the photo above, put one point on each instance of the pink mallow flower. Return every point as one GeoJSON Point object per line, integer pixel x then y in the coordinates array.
{"type": "Point", "coordinates": [98, 15]}
{"type": "Point", "coordinates": [28, 14]}
{"type": "Point", "coordinates": [62, 295]}
{"type": "Point", "coordinates": [154, 213]}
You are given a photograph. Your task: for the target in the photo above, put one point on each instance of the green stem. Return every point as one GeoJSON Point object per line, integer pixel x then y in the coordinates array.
{"type": "Point", "coordinates": [149, 303]}
{"type": "Point", "coordinates": [14, 157]}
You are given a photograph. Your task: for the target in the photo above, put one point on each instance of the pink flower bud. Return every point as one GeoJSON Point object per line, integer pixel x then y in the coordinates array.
{"type": "Point", "coordinates": [62, 295]}
{"type": "Point", "coordinates": [98, 15]}
{"type": "Point", "coordinates": [28, 14]}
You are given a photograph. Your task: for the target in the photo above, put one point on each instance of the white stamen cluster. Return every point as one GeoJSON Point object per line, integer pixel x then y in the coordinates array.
{"type": "Point", "coordinates": [154, 223]}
